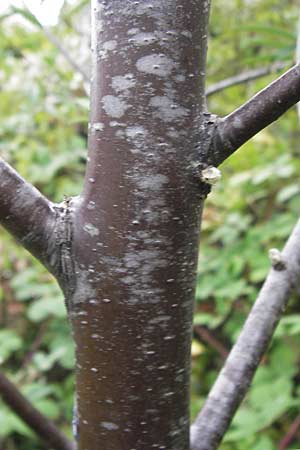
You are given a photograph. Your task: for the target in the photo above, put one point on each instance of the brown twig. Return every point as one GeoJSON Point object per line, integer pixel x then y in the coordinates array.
{"type": "Point", "coordinates": [290, 435]}
{"type": "Point", "coordinates": [207, 336]}
{"type": "Point", "coordinates": [40, 424]}
{"type": "Point", "coordinates": [35, 345]}
{"type": "Point", "coordinates": [244, 77]}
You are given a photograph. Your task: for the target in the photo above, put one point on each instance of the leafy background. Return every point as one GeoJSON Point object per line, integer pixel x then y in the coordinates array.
{"type": "Point", "coordinates": [43, 131]}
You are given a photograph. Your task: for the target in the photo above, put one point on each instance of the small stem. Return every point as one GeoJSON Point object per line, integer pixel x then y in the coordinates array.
{"type": "Point", "coordinates": [40, 424]}
{"type": "Point", "coordinates": [208, 337]}
{"type": "Point", "coordinates": [290, 435]}
{"type": "Point", "coordinates": [244, 77]}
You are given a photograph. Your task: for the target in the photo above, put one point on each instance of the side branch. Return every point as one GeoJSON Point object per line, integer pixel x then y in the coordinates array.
{"type": "Point", "coordinates": [244, 77]}
{"type": "Point", "coordinates": [235, 378]}
{"type": "Point", "coordinates": [32, 417]}
{"type": "Point", "coordinates": [26, 213]}
{"type": "Point", "coordinates": [260, 111]}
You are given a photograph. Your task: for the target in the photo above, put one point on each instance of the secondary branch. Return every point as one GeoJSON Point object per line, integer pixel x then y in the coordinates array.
{"type": "Point", "coordinates": [244, 77]}
{"type": "Point", "coordinates": [32, 417]}
{"type": "Point", "coordinates": [260, 111]}
{"type": "Point", "coordinates": [26, 213]}
{"type": "Point", "coordinates": [236, 376]}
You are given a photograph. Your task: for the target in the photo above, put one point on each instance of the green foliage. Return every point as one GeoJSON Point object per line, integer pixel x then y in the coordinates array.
{"type": "Point", "coordinates": [253, 208]}
{"type": "Point", "coordinates": [43, 129]}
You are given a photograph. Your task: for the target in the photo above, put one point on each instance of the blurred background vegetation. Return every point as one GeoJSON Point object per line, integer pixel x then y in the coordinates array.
{"type": "Point", "coordinates": [43, 129]}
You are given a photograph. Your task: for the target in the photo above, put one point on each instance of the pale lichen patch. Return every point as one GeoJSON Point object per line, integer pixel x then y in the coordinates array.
{"type": "Point", "coordinates": [114, 106]}
{"type": "Point", "coordinates": [156, 64]}
{"type": "Point", "coordinates": [122, 83]}
{"type": "Point", "coordinates": [153, 182]}
{"type": "Point", "coordinates": [135, 132]}
{"type": "Point", "coordinates": [84, 289]}
{"type": "Point", "coordinates": [144, 38]}
{"type": "Point", "coordinates": [91, 229]}
{"type": "Point", "coordinates": [166, 109]}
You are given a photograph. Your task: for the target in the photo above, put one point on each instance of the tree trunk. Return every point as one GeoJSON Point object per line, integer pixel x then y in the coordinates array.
{"type": "Point", "coordinates": [137, 224]}
{"type": "Point", "coordinates": [125, 251]}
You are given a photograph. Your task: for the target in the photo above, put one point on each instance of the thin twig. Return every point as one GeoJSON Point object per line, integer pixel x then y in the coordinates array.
{"type": "Point", "coordinates": [239, 369]}
{"type": "Point", "coordinates": [244, 77]}
{"type": "Point", "coordinates": [35, 345]}
{"type": "Point", "coordinates": [40, 424]}
{"type": "Point", "coordinates": [53, 39]}
{"type": "Point", "coordinates": [208, 337]}
{"type": "Point", "coordinates": [290, 435]}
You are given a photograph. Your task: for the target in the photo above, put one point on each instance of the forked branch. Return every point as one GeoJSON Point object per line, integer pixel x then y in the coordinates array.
{"type": "Point", "coordinates": [239, 369]}
{"type": "Point", "coordinates": [26, 213]}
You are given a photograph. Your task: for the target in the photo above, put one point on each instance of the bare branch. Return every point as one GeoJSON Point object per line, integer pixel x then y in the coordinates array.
{"type": "Point", "coordinates": [244, 77]}
{"type": "Point", "coordinates": [40, 424]}
{"type": "Point", "coordinates": [260, 111]}
{"type": "Point", "coordinates": [290, 435]}
{"type": "Point", "coordinates": [239, 369]}
{"type": "Point", "coordinates": [26, 213]}
{"type": "Point", "coordinates": [53, 39]}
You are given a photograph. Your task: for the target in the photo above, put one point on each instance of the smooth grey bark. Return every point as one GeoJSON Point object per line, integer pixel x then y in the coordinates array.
{"type": "Point", "coordinates": [125, 251]}
{"type": "Point", "coordinates": [235, 378]}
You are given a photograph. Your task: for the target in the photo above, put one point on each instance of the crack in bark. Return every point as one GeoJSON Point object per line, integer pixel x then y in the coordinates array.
{"type": "Point", "coordinates": [65, 261]}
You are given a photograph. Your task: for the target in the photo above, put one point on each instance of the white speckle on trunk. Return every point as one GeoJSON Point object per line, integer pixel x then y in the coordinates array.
{"type": "Point", "coordinates": [97, 126]}
{"type": "Point", "coordinates": [109, 425]}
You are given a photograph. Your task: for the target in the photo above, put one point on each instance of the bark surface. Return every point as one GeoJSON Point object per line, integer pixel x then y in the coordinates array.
{"type": "Point", "coordinates": [137, 224]}
{"type": "Point", "coordinates": [125, 251]}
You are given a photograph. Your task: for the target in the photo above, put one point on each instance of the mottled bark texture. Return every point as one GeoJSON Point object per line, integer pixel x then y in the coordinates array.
{"type": "Point", "coordinates": [236, 376]}
{"type": "Point", "coordinates": [137, 225]}
{"type": "Point", "coordinates": [125, 251]}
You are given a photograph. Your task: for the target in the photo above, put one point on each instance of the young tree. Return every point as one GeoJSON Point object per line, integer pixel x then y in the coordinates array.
{"type": "Point", "coordinates": [125, 251]}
